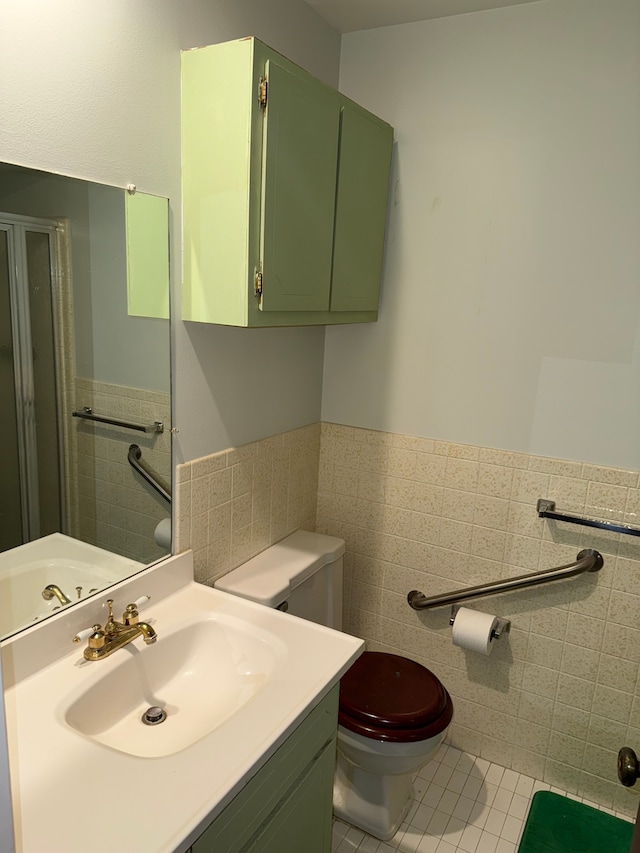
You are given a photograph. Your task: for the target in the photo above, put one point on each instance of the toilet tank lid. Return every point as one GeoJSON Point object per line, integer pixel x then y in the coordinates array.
{"type": "Point", "coordinates": [270, 577]}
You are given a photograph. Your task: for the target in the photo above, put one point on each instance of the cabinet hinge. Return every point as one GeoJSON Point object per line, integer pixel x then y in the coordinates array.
{"type": "Point", "coordinates": [262, 93]}
{"type": "Point", "coordinates": [258, 284]}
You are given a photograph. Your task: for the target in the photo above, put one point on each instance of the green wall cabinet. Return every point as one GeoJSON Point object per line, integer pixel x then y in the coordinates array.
{"type": "Point", "coordinates": [287, 806]}
{"type": "Point", "coordinates": [285, 187]}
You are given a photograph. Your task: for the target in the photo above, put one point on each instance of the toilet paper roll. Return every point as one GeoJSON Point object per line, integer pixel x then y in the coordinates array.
{"type": "Point", "coordinates": [472, 630]}
{"type": "Point", "coordinates": [162, 533]}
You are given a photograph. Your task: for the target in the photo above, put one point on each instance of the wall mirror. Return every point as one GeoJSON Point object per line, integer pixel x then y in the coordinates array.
{"type": "Point", "coordinates": [84, 389]}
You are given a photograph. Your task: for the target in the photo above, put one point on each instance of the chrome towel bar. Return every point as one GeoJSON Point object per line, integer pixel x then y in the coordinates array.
{"type": "Point", "coordinates": [88, 414]}
{"type": "Point", "coordinates": [547, 509]}
{"type": "Point", "coordinates": [586, 561]}
{"type": "Point", "coordinates": [135, 456]}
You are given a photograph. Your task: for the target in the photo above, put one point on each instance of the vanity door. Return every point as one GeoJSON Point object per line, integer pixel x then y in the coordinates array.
{"type": "Point", "coordinates": [303, 822]}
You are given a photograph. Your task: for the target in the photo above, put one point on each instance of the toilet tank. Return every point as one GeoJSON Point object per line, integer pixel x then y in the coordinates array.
{"type": "Point", "coordinates": [301, 574]}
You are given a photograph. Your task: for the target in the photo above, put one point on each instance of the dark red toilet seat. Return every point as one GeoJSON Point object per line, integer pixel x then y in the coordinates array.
{"type": "Point", "coordinates": [388, 697]}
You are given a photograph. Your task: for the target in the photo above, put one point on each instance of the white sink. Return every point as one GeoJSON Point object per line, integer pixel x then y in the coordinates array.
{"type": "Point", "coordinates": [199, 675]}
{"type": "Point", "coordinates": [235, 678]}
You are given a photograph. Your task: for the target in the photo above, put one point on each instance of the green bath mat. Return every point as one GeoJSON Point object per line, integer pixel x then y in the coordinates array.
{"type": "Point", "coordinates": [558, 825]}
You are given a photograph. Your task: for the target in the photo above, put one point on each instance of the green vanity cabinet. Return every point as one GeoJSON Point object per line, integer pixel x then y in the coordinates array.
{"type": "Point", "coordinates": [287, 806]}
{"type": "Point", "coordinates": [285, 187]}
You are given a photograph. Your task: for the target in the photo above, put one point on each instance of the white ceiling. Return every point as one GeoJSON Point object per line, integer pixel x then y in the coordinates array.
{"type": "Point", "coordinates": [346, 16]}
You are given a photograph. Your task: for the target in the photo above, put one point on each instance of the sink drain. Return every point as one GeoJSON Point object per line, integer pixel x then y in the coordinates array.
{"type": "Point", "coordinates": [154, 716]}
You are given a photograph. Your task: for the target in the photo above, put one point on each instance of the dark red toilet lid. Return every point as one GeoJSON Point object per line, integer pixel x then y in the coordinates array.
{"type": "Point", "coordinates": [388, 690]}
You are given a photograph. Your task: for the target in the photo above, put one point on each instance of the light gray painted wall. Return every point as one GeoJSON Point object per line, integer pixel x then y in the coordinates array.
{"type": "Point", "coordinates": [110, 345]}
{"type": "Point", "coordinates": [101, 101]}
{"type": "Point", "coordinates": [125, 350]}
{"type": "Point", "coordinates": [511, 307]}
{"type": "Point", "coordinates": [38, 194]}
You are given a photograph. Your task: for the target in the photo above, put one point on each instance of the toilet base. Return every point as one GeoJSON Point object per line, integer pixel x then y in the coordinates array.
{"type": "Point", "coordinates": [375, 803]}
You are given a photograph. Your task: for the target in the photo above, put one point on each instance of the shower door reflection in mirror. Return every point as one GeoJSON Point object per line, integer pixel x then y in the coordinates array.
{"type": "Point", "coordinates": [83, 328]}
{"type": "Point", "coordinates": [32, 495]}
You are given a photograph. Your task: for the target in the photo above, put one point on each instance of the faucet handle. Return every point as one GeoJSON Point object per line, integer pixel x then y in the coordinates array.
{"type": "Point", "coordinates": [130, 615]}
{"type": "Point", "coordinates": [97, 639]}
{"type": "Point", "coordinates": [84, 635]}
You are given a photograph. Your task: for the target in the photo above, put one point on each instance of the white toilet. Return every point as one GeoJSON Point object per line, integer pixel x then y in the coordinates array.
{"type": "Point", "coordinates": [394, 713]}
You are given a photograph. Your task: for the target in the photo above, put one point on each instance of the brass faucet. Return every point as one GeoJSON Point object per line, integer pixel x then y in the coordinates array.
{"type": "Point", "coordinates": [52, 590]}
{"type": "Point", "coordinates": [104, 641]}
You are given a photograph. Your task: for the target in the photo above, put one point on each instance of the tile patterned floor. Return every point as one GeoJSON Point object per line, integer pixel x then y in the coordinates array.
{"type": "Point", "coordinates": [463, 804]}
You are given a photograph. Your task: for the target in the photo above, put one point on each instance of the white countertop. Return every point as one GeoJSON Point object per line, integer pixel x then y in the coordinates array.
{"type": "Point", "coordinates": [72, 794]}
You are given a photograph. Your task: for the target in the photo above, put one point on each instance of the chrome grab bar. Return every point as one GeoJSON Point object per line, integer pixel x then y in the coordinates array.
{"type": "Point", "coordinates": [87, 413]}
{"type": "Point", "coordinates": [586, 561]}
{"type": "Point", "coordinates": [134, 456]}
{"type": "Point", "coordinates": [547, 509]}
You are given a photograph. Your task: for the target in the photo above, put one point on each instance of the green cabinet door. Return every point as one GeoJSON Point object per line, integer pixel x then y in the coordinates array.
{"type": "Point", "coordinates": [361, 210]}
{"type": "Point", "coordinates": [302, 824]}
{"type": "Point", "coordinates": [300, 157]}
{"type": "Point", "coordinates": [287, 806]}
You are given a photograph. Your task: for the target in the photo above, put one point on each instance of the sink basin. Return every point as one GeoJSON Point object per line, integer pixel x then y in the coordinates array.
{"type": "Point", "coordinates": [200, 675]}
{"type": "Point", "coordinates": [236, 678]}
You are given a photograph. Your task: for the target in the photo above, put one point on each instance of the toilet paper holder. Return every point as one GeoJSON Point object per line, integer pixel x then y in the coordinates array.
{"type": "Point", "coordinates": [503, 626]}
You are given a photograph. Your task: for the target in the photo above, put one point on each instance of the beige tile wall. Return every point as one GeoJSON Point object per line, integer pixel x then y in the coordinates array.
{"type": "Point", "coordinates": [233, 504]}
{"type": "Point", "coordinates": [558, 696]}
{"type": "Point", "coordinates": [113, 507]}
